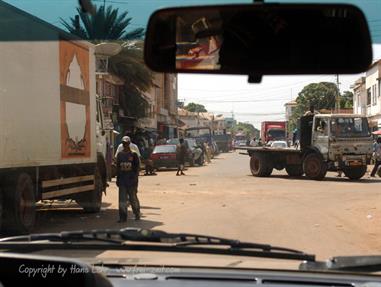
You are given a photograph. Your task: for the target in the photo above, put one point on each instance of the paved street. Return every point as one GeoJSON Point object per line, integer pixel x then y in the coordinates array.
{"type": "Point", "coordinates": [334, 216]}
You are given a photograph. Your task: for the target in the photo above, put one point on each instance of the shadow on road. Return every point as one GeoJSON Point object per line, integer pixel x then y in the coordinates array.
{"type": "Point", "coordinates": [150, 207]}
{"type": "Point", "coordinates": [330, 179]}
{"type": "Point", "coordinates": [69, 219]}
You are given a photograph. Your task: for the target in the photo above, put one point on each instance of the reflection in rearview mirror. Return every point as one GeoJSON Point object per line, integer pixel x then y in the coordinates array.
{"type": "Point", "coordinates": [259, 39]}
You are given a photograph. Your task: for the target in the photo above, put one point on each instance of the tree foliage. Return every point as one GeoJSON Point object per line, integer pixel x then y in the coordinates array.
{"type": "Point", "coordinates": [246, 128]}
{"type": "Point", "coordinates": [109, 24]}
{"type": "Point", "coordinates": [321, 96]}
{"type": "Point", "coordinates": [106, 24]}
{"type": "Point", "coordinates": [346, 100]}
{"type": "Point", "coordinates": [196, 108]}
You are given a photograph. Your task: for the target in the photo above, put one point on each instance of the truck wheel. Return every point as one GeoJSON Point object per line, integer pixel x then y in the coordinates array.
{"type": "Point", "coordinates": [260, 166]}
{"type": "Point", "coordinates": [314, 167]}
{"type": "Point", "coordinates": [19, 214]}
{"type": "Point", "coordinates": [355, 172]}
{"type": "Point", "coordinates": [91, 201]}
{"type": "Point", "coordinates": [294, 170]}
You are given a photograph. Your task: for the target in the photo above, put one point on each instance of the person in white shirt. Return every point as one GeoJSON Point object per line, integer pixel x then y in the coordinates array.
{"type": "Point", "coordinates": [134, 148]}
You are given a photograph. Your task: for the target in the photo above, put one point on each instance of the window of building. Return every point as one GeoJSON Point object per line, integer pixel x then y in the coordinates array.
{"type": "Point", "coordinates": [368, 97]}
{"type": "Point", "coordinates": [379, 88]}
{"type": "Point", "coordinates": [374, 94]}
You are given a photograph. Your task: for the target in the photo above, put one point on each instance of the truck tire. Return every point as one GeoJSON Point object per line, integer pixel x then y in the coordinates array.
{"type": "Point", "coordinates": [91, 201]}
{"type": "Point", "coordinates": [260, 165]}
{"type": "Point", "coordinates": [314, 166]}
{"type": "Point", "coordinates": [19, 214]}
{"type": "Point", "coordinates": [294, 170]}
{"type": "Point", "coordinates": [355, 172]}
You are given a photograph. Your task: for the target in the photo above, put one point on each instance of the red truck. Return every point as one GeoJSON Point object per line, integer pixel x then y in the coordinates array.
{"type": "Point", "coordinates": [271, 131]}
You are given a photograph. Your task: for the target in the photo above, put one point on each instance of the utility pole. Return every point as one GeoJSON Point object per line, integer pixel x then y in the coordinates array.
{"type": "Point", "coordinates": [337, 105]}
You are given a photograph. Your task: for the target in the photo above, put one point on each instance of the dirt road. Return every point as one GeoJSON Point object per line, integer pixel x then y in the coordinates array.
{"type": "Point", "coordinates": [334, 216]}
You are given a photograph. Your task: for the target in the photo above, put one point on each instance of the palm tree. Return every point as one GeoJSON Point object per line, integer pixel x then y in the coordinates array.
{"type": "Point", "coordinates": [105, 24]}
{"type": "Point", "coordinates": [109, 24]}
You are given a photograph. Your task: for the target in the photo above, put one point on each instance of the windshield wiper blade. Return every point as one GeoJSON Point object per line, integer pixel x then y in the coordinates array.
{"type": "Point", "coordinates": [345, 263]}
{"type": "Point", "coordinates": [128, 239]}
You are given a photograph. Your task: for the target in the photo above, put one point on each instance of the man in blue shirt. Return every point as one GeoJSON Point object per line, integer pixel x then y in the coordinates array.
{"type": "Point", "coordinates": [127, 163]}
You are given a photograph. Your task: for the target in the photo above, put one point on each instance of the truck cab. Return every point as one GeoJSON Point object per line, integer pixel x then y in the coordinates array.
{"type": "Point", "coordinates": [342, 141]}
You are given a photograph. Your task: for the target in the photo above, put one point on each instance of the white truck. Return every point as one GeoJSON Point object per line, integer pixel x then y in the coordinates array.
{"type": "Point", "coordinates": [328, 142]}
{"type": "Point", "coordinates": [52, 142]}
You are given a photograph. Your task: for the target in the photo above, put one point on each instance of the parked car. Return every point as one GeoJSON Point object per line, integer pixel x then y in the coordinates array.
{"type": "Point", "coordinates": [223, 142]}
{"type": "Point", "coordinates": [164, 156]}
{"type": "Point", "coordinates": [194, 152]}
{"type": "Point", "coordinates": [279, 144]}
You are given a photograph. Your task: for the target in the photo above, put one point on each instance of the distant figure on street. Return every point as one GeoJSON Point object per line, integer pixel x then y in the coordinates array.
{"type": "Point", "coordinates": [377, 152]}
{"type": "Point", "coordinates": [206, 150]}
{"type": "Point", "coordinates": [127, 164]}
{"type": "Point", "coordinates": [260, 142]}
{"type": "Point", "coordinates": [253, 142]}
{"type": "Point", "coordinates": [181, 151]}
{"type": "Point", "coordinates": [149, 168]}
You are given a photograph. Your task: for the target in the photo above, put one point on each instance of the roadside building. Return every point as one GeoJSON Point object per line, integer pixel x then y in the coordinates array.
{"type": "Point", "coordinates": [359, 97]}
{"type": "Point", "coordinates": [290, 108]}
{"type": "Point", "coordinates": [230, 123]}
{"type": "Point", "coordinates": [367, 95]}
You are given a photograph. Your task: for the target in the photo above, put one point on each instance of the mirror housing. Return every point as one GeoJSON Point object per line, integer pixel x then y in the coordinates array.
{"type": "Point", "coordinates": [259, 39]}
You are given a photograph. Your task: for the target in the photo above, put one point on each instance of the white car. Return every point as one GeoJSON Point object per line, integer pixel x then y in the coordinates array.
{"type": "Point", "coordinates": [279, 144]}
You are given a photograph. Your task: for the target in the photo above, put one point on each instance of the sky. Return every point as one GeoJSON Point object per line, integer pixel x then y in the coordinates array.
{"type": "Point", "coordinates": [253, 103]}
{"type": "Point", "coordinates": [226, 95]}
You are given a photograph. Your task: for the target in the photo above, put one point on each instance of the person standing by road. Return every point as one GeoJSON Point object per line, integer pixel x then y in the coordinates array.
{"type": "Point", "coordinates": [377, 152]}
{"type": "Point", "coordinates": [134, 148]}
{"type": "Point", "coordinates": [127, 164]}
{"type": "Point", "coordinates": [206, 151]}
{"type": "Point", "coordinates": [181, 151]}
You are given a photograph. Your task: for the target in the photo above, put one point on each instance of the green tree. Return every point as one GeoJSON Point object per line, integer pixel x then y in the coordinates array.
{"type": "Point", "coordinates": [109, 24]}
{"type": "Point", "coordinates": [196, 108]}
{"type": "Point", "coordinates": [346, 100]}
{"type": "Point", "coordinates": [246, 128]}
{"type": "Point", "coordinates": [105, 24]}
{"type": "Point", "coordinates": [319, 95]}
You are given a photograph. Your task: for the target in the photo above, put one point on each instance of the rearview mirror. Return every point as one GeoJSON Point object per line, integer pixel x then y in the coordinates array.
{"type": "Point", "coordinates": [259, 39]}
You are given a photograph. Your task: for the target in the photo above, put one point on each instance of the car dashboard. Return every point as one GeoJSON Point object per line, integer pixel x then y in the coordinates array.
{"type": "Point", "coordinates": [17, 269]}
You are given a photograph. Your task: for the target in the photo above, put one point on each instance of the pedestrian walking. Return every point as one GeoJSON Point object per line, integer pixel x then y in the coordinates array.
{"type": "Point", "coordinates": [127, 163]}
{"type": "Point", "coordinates": [206, 152]}
{"type": "Point", "coordinates": [134, 148]}
{"type": "Point", "coordinates": [149, 168]}
{"type": "Point", "coordinates": [377, 155]}
{"type": "Point", "coordinates": [181, 151]}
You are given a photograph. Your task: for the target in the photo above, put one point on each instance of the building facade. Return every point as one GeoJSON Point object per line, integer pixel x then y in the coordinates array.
{"type": "Point", "coordinates": [161, 114]}
{"type": "Point", "coordinates": [290, 108]}
{"type": "Point", "coordinates": [367, 95]}
{"type": "Point", "coordinates": [359, 97]}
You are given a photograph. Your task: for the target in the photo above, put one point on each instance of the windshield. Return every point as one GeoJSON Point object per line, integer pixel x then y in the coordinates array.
{"type": "Point", "coordinates": [350, 127]}
{"type": "Point", "coordinates": [279, 144]}
{"type": "Point", "coordinates": [81, 116]}
{"type": "Point", "coordinates": [275, 134]}
{"type": "Point", "coordinates": [240, 138]}
{"type": "Point", "coordinates": [165, 149]}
